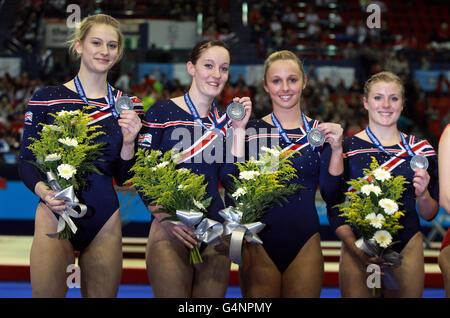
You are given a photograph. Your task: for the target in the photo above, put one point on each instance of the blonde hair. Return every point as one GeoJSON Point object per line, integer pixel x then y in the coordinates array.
{"type": "Point", "coordinates": [83, 28]}
{"type": "Point", "coordinates": [282, 55]}
{"type": "Point", "coordinates": [383, 77]}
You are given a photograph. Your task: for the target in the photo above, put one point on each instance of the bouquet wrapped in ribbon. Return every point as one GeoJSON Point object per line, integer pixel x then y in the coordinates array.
{"type": "Point", "coordinates": [260, 184]}
{"type": "Point", "coordinates": [180, 192]}
{"type": "Point", "coordinates": [371, 207]}
{"type": "Point", "coordinates": [66, 151]}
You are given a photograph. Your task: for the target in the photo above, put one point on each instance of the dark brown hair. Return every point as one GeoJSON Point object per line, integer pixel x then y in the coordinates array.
{"type": "Point", "coordinates": [200, 47]}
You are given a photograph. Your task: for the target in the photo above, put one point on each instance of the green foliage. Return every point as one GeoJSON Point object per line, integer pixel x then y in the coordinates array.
{"type": "Point", "coordinates": [360, 203]}
{"type": "Point", "coordinates": [262, 183]}
{"type": "Point", "coordinates": [157, 177]}
{"type": "Point", "coordinates": [79, 152]}
{"type": "Point", "coordinates": [72, 125]}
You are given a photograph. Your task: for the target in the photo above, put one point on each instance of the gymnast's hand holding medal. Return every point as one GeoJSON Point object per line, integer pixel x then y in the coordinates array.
{"type": "Point", "coordinates": [239, 111]}
{"type": "Point", "coordinates": [417, 162]}
{"type": "Point", "coordinates": [129, 123]}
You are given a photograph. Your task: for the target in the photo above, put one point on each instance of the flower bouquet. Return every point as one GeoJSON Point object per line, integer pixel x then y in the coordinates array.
{"type": "Point", "coordinates": [65, 151]}
{"type": "Point", "coordinates": [180, 192]}
{"type": "Point", "coordinates": [260, 184]}
{"type": "Point", "coordinates": [372, 208]}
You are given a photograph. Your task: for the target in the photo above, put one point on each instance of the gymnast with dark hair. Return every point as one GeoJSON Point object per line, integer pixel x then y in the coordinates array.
{"type": "Point", "coordinates": [193, 124]}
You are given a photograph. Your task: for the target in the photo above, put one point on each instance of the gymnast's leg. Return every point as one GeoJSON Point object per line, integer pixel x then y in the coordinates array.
{"type": "Point", "coordinates": [168, 267]}
{"type": "Point", "coordinates": [49, 257]}
{"type": "Point", "coordinates": [259, 276]}
{"type": "Point", "coordinates": [212, 276]}
{"type": "Point", "coordinates": [304, 276]}
{"type": "Point", "coordinates": [101, 262]}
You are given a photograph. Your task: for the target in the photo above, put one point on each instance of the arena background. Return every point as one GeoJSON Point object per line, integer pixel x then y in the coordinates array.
{"type": "Point", "coordinates": [332, 38]}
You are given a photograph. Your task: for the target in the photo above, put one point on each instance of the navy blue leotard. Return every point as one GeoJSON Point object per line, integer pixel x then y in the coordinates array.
{"type": "Point", "coordinates": [357, 156]}
{"type": "Point", "coordinates": [99, 196]}
{"type": "Point", "coordinates": [290, 226]}
{"type": "Point", "coordinates": [168, 126]}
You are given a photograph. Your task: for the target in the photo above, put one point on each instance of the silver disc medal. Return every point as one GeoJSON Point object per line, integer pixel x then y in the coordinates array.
{"type": "Point", "coordinates": [124, 103]}
{"type": "Point", "coordinates": [419, 161]}
{"type": "Point", "coordinates": [236, 111]}
{"type": "Point", "coordinates": [316, 137]}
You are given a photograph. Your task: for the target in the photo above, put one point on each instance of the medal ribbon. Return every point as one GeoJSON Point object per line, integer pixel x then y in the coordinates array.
{"type": "Point", "coordinates": [285, 136]}
{"type": "Point", "coordinates": [197, 118]}
{"type": "Point", "coordinates": [110, 99]}
{"type": "Point", "coordinates": [377, 143]}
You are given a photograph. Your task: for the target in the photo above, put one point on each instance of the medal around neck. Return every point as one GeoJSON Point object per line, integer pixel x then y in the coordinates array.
{"type": "Point", "coordinates": [316, 138]}
{"type": "Point", "coordinates": [236, 111]}
{"type": "Point", "coordinates": [124, 103]}
{"type": "Point", "coordinates": [419, 161]}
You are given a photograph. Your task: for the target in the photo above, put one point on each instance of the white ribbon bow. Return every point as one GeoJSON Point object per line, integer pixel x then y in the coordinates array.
{"type": "Point", "coordinates": [239, 232]}
{"type": "Point", "coordinates": [71, 201]}
{"type": "Point", "coordinates": [371, 248]}
{"type": "Point", "coordinates": [207, 231]}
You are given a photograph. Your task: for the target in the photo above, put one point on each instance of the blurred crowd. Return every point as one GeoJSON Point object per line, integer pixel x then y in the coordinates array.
{"type": "Point", "coordinates": [273, 25]}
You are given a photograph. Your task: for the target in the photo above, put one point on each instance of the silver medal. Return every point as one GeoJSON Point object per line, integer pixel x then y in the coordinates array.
{"type": "Point", "coordinates": [236, 111]}
{"type": "Point", "coordinates": [419, 161]}
{"type": "Point", "coordinates": [124, 103]}
{"type": "Point", "coordinates": [316, 137]}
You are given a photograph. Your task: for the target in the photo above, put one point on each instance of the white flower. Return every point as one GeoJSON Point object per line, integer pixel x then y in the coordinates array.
{"type": "Point", "coordinates": [239, 192]}
{"type": "Point", "coordinates": [248, 175]}
{"type": "Point", "coordinates": [183, 170]}
{"type": "Point", "coordinates": [162, 164]}
{"type": "Point", "coordinates": [68, 141]}
{"type": "Point", "coordinates": [274, 152]}
{"type": "Point", "coordinates": [383, 238]}
{"type": "Point", "coordinates": [181, 187]}
{"type": "Point", "coordinates": [389, 206]}
{"type": "Point", "coordinates": [53, 157]}
{"type": "Point", "coordinates": [51, 127]}
{"type": "Point", "coordinates": [381, 174]}
{"type": "Point", "coordinates": [366, 189]}
{"type": "Point", "coordinates": [376, 220]}
{"type": "Point", "coordinates": [66, 171]}
{"type": "Point", "coordinates": [199, 205]}
{"type": "Point", "coordinates": [70, 113]}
